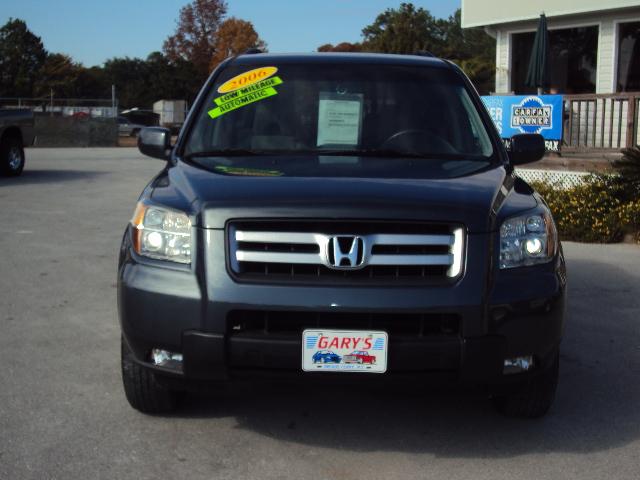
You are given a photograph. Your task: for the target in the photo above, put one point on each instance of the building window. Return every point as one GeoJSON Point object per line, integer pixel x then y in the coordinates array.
{"type": "Point", "coordinates": [573, 56]}
{"type": "Point", "coordinates": [628, 73]}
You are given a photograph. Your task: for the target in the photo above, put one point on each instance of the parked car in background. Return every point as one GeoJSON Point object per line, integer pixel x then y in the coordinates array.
{"type": "Point", "coordinates": [16, 132]}
{"type": "Point", "coordinates": [127, 128]}
{"type": "Point", "coordinates": [326, 356]}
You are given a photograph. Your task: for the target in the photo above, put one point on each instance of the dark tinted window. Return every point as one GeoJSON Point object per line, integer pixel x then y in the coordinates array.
{"type": "Point", "coordinates": [628, 73]}
{"type": "Point", "coordinates": [321, 107]}
{"type": "Point", "coordinates": [572, 60]}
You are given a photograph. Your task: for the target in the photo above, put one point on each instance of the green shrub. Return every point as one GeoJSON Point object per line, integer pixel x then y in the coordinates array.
{"type": "Point", "coordinates": [628, 170]}
{"type": "Point", "coordinates": [597, 211]}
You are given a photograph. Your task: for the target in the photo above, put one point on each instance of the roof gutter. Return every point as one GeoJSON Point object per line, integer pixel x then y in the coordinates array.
{"type": "Point", "coordinates": [491, 32]}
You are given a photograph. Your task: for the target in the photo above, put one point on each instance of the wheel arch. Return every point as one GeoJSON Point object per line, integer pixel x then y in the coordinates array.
{"type": "Point", "coordinates": [11, 132]}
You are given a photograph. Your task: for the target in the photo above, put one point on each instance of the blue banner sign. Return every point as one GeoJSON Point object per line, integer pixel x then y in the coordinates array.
{"type": "Point", "coordinates": [515, 114]}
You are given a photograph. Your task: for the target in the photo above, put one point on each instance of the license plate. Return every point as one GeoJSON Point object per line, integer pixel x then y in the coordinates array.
{"type": "Point", "coordinates": [344, 351]}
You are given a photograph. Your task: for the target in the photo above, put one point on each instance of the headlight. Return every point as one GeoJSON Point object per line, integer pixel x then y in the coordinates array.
{"type": "Point", "coordinates": [527, 240]}
{"type": "Point", "coordinates": [161, 233]}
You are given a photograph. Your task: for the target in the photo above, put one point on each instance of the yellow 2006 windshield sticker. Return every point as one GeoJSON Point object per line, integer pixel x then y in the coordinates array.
{"type": "Point", "coordinates": [247, 78]}
{"type": "Point", "coordinates": [244, 96]}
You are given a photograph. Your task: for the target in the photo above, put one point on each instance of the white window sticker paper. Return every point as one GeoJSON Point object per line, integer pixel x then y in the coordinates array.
{"type": "Point", "coordinates": [339, 119]}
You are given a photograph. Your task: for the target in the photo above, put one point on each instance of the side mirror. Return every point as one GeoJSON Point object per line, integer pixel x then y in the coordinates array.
{"type": "Point", "coordinates": [526, 148]}
{"type": "Point", "coordinates": [155, 142]}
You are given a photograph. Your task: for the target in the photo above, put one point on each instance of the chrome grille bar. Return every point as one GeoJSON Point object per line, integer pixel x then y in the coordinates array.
{"type": "Point", "coordinates": [268, 247]}
{"type": "Point", "coordinates": [413, 240]}
{"type": "Point", "coordinates": [277, 237]}
{"type": "Point", "coordinates": [278, 257]}
{"type": "Point", "coordinates": [411, 260]}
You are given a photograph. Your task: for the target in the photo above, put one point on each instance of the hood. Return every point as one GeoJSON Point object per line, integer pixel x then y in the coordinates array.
{"type": "Point", "coordinates": [213, 199]}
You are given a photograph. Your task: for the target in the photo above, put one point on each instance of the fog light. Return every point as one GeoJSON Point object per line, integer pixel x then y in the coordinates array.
{"type": "Point", "coordinates": [518, 364]}
{"type": "Point", "coordinates": [164, 358]}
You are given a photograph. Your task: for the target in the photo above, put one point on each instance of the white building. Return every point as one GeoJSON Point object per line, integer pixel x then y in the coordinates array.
{"type": "Point", "coordinates": [594, 44]}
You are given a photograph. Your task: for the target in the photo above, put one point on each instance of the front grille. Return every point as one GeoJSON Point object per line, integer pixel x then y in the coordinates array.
{"type": "Point", "coordinates": [258, 323]}
{"type": "Point", "coordinates": [338, 252]}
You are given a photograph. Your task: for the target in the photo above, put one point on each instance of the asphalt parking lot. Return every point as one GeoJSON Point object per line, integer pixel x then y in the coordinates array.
{"type": "Point", "coordinates": [63, 414]}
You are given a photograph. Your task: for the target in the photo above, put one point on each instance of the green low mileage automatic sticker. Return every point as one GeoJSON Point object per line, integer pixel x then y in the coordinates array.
{"type": "Point", "coordinates": [245, 96]}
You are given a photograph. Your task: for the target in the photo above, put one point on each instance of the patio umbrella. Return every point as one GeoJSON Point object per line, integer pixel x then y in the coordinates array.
{"type": "Point", "coordinates": [538, 72]}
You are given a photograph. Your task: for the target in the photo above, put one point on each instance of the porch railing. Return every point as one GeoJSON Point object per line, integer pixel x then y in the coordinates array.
{"type": "Point", "coordinates": [600, 122]}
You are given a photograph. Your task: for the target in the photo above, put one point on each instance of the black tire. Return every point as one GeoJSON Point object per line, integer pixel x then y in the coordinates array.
{"type": "Point", "coordinates": [141, 388]}
{"type": "Point", "coordinates": [534, 398]}
{"type": "Point", "coordinates": [11, 157]}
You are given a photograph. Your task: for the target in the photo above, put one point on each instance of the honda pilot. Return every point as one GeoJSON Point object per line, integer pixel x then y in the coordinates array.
{"type": "Point", "coordinates": [357, 204]}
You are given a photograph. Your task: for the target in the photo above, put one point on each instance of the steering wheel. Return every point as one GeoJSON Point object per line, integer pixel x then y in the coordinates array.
{"type": "Point", "coordinates": [431, 141]}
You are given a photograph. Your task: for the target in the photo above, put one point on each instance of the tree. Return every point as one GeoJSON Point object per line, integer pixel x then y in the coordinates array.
{"type": "Point", "coordinates": [21, 57]}
{"type": "Point", "coordinates": [92, 83]}
{"type": "Point", "coordinates": [409, 29]}
{"type": "Point", "coordinates": [171, 80]}
{"type": "Point", "coordinates": [195, 37]}
{"type": "Point", "coordinates": [58, 74]}
{"type": "Point", "coordinates": [130, 76]}
{"type": "Point", "coordinates": [405, 30]}
{"type": "Point", "coordinates": [472, 49]}
{"type": "Point", "coordinates": [341, 47]}
{"type": "Point", "coordinates": [234, 37]}
{"type": "Point", "coordinates": [140, 83]}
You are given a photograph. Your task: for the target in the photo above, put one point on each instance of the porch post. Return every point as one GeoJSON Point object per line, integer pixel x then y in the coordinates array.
{"type": "Point", "coordinates": [631, 121]}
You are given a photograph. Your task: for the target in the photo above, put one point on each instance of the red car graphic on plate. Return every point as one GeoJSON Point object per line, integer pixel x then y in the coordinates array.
{"type": "Point", "coordinates": [359, 357]}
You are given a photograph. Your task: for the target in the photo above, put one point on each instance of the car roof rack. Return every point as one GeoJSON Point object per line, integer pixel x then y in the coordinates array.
{"type": "Point", "coordinates": [252, 51]}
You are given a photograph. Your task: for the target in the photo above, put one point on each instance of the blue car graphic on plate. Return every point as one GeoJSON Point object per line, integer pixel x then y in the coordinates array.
{"type": "Point", "coordinates": [325, 356]}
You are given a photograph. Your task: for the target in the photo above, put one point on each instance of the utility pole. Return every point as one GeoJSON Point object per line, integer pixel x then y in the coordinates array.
{"type": "Point", "coordinates": [114, 107]}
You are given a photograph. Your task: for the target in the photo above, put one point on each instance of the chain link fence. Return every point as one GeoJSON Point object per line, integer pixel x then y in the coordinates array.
{"type": "Point", "coordinates": [64, 107]}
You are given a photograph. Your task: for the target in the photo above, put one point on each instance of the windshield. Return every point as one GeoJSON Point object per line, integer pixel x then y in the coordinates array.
{"type": "Point", "coordinates": [343, 110]}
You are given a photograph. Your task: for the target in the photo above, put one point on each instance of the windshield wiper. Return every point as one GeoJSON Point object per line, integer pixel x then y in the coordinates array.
{"type": "Point", "coordinates": [373, 152]}
{"type": "Point", "coordinates": [398, 154]}
{"type": "Point", "coordinates": [370, 153]}
{"type": "Point", "coordinates": [234, 152]}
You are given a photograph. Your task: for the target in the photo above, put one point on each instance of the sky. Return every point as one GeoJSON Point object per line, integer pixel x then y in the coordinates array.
{"type": "Point", "coordinates": [92, 31]}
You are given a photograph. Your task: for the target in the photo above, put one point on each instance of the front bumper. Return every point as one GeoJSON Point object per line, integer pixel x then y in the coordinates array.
{"type": "Point", "coordinates": [187, 310]}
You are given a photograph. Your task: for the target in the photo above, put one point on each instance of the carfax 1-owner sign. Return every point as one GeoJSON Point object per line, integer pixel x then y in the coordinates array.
{"type": "Point", "coordinates": [515, 114]}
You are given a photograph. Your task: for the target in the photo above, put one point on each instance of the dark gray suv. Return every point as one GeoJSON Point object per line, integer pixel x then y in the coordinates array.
{"type": "Point", "coordinates": [332, 215]}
